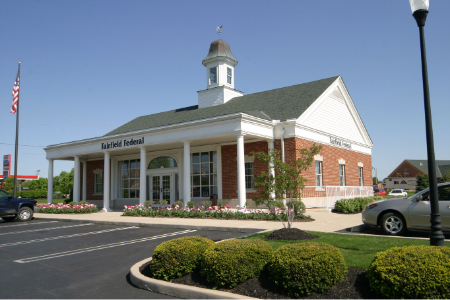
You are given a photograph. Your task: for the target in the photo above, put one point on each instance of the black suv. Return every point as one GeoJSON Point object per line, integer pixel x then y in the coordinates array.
{"type": "Point", "coordinates": [20, 208]}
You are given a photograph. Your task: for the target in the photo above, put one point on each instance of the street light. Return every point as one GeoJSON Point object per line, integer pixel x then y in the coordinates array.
{"type": "Point", "coordinates": [420, 12]}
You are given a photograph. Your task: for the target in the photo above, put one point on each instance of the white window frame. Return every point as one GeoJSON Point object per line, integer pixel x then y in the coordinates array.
{"type": "Point", "coordinates": [215, 75]}
{"type": "Point", "coordinates": [341, 174]}
{"type": "Point", "coordinates": [360, 175]}
{"type": "Point", "coordinates": [319, 175]}
{"type": "Point", "coordinates": [250, 178]}
{"type": "Point", "coordinates": [229, 75]}
{"type": "Point", "coordinates": [98, 172]}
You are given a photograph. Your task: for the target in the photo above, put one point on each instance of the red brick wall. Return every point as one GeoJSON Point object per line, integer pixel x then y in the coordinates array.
{"type": "Point", "coordinates": [292, 146]}
{"type": "Point", "coordinates": [229, 167]}
{"type": "Point", "coordinates": [91, 166]}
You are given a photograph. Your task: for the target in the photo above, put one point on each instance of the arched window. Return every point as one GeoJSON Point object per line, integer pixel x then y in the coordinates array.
{"type": "Point", "coordinates": [163, 162]}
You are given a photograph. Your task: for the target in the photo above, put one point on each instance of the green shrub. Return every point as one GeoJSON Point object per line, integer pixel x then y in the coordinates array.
{"type": "Point", "coordinates": [178, 257]}
{"type": "Point", "coordinates": [299, 207]}
{"type": "Point", "coordinates": [307, 268]}
{"type": "Point", "coordinates": [190, 204]}
{"type": "Point", "coordinates": [83, 203]}
{"type": "Point", "coordinates": [67, 201]}
{"type": "Point", "coordinates": [354, 204]}
{"type": "Point", "coordinates": [147, 204]}
{"type": "Point", "coordinates": [206, 204]}
{"type": "Point", "coordinates": [163, 202]}
{"type": "Point", "coordinates": [221, 204]}
{"type": "Point", "coordinates": [416, 272]}
{"type": "Point", "coordinates": [179, 203]}
{"type": "Point", "coordinates": [231, 262]}
{"type": "Point", "coordinates": [73, 203]}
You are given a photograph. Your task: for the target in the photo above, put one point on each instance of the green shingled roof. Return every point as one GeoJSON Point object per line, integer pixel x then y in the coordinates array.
{"type": "Point", "coordinates": [441, 166]}
{"type": "Point", "coordinates": [279, 104]}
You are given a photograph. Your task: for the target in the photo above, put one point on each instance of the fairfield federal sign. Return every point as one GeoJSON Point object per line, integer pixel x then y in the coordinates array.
{"type": "Point", "coordinates": [123, 143]}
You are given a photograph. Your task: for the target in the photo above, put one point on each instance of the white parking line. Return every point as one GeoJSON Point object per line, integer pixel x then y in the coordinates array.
{"type": "Point", "coordinates": [64, 236]}
{"type": "Point", "coordinates": [28, 223]}
{"type": "Point", "coordinates": [42, 229]}
{"type": "Point", "coordinates": [101, 247]}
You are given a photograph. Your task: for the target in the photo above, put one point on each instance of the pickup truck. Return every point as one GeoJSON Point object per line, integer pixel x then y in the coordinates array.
{"type": "Point", "coordinates": [20, 208]}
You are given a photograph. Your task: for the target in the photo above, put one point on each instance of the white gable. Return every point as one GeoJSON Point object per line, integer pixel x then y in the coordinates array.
{"type": "Point", "coordinates": [334, 114]}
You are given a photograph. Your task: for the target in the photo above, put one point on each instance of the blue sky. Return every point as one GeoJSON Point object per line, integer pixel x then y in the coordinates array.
{"type": "Point", "coordinates": [91, 66]}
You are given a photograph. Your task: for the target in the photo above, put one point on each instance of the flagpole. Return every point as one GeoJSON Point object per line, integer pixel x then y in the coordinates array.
{"type": "Point", "coordinates": [17, 137]}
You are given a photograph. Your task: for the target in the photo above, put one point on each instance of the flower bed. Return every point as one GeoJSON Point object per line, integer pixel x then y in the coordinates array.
{"type": "Point", "coordinates": [67, 208]}
{"type": "Point", "coordinates": [212, 212]}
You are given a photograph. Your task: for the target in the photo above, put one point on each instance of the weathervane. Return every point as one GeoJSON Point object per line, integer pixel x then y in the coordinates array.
{"type": "Point", "coordinates": [219, 30]}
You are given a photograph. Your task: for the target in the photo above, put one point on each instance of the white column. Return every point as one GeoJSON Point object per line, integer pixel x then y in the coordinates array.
{"type": "Point", "coordinates": [76, 179]}
{"type": "Point", "coordinates": [241, 170]}
{"type": "Point", "coordinates": [271, 167]}
{"type": "Point", "coordinates": [142, 184]}
{"type": "Point", "coordinates": [186, 173]}
{"type": "Point", "coordinates": [219, 172]}
{"type": "Point", "coordinates": [50, 182]}
{"type": "Point", "coordinates": [83, 193]}
{"type": "Point", "coordinates": [106, 183]}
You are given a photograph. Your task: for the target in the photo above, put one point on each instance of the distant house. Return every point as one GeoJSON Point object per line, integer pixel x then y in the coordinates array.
{"type": "Point", "coordinates": [404, 176]}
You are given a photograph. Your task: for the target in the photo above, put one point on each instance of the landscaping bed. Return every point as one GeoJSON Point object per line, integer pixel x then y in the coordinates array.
{"type": "Point", "coordinates": [353, 286]}
{"type": "Point", "coordinates": [212, 212]}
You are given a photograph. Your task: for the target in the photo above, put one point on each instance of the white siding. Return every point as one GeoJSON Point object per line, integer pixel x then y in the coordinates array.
{"type": "Point", "coordinates": [333, 117]}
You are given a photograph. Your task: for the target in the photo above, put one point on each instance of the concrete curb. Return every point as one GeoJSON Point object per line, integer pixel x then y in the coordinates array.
{"type": "Point", "coordinates": [174, 289]}
{"type": "Point", "coordinates": [172, 226]}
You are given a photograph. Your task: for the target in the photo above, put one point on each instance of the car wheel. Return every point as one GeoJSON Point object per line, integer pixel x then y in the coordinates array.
{"type": "Point", "coordinates": [25, 214]}
{"type": "Point", "coordinates": [8, 219]}
{"type": "Point", "coordinates": [393, 224]}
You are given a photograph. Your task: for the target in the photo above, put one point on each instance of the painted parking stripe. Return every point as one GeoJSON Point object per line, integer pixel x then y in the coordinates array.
{"type": "Point", "coordinates": [42, 229]}
{"type": "Point", "coordinates": [28, 223]}
{"type": "Point", "coordinates": [65, 236]}
{"type": "Point", "coordinates": [101, 247]}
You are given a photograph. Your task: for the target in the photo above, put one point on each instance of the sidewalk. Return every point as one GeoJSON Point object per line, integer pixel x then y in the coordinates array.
{"type": "Point", "coordinates": [325, 221]}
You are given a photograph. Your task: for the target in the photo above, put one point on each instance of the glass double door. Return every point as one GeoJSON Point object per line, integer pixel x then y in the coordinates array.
{"type": "Point", "coordinates": [161, 187]}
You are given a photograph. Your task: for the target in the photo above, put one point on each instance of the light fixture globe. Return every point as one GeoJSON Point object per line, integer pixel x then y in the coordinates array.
{"type": "Point", "coordinates": [419, 5]}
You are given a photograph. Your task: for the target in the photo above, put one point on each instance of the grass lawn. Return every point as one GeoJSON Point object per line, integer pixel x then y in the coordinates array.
{"type": "Point", "coordinates": [358, 250]}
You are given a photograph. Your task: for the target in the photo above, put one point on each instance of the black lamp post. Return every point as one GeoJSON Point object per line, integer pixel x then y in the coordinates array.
{"type": "Point", "coordinates": [420, 12]}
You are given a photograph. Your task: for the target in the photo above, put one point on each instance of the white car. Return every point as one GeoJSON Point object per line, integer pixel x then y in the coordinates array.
{"type": "Point", "coordinates": [398, 192]}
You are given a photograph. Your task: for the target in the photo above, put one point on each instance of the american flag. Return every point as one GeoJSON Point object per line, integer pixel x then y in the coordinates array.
{"type": "Point", "coordinates": [15, 94]}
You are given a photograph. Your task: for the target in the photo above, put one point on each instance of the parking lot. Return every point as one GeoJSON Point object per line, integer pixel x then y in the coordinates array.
{"type": "Point", "coordinates": [55, 259]}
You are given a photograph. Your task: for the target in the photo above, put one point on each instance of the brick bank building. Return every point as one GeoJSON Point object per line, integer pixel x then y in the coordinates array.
{"type": "Point", "coordinates": [192, 153]}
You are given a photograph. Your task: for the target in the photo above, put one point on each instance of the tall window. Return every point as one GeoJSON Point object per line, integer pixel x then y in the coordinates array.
{"type": "Point", "coordinates": [342, 175]}
{"type": "Point", "coordinates": [249, 177]}
{"type": "Point", "coordinates": [98, 183]}
{"type": "Point", "coordinates": [360, 173]}
{"type": "Point", "coordinates": [213, 75]}
{"type": "Point", "coordinates": [128, 179]}
{"type": "Point", "coordinates": [319, 181]}
{"type": "Point", "coordinates": [203, 174]}
{"type": "Point", "coordinates": [229, 75]}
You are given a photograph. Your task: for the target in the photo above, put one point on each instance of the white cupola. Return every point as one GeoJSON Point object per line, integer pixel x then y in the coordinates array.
{"type": "Point", "coordinates": [219, 64]}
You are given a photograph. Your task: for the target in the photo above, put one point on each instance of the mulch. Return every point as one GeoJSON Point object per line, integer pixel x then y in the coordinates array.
{"type": "Point", "coordinates": [354, 286]}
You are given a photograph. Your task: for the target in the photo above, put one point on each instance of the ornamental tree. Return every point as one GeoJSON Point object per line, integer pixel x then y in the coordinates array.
{"type": "Point", "coordinates": [286, 183]}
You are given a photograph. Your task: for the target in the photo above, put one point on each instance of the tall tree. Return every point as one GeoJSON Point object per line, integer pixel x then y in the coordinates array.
{"type": "Point", "coordinates": [422, 182]}
{"type": "Point", "coordinates": [64, 182]}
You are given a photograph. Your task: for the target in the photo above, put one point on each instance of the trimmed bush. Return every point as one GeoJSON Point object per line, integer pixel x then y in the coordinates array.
{"type": "Point", "coordinates": [307, 268]}
{"type": "Point", "coordinates": [354, 205]}
{"type": "Point", "coordinates": [232, 262]}
{"type": "Point", "coordinates": [178, 257]}
{"type": "Point", "coordinates": [414, 272]}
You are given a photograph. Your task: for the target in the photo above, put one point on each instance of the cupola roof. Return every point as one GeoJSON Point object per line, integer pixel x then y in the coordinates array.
{"type": "Point", "coordinates": [219, 48]}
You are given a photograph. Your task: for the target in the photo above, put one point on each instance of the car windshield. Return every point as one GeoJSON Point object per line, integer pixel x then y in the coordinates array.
{"type": "Point", "coordinates": [376, 190]}
{"type": "Point", "coordinates": [396, 191]}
